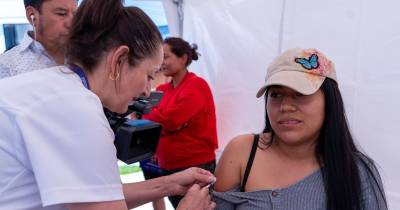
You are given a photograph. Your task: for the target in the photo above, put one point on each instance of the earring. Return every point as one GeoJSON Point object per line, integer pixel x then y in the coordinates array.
{"type": "Point", "coordinates": [113, 78]}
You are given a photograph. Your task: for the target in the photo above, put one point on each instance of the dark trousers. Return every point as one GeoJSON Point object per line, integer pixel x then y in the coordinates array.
{"type": "Point", "coordinates": [210, 166]}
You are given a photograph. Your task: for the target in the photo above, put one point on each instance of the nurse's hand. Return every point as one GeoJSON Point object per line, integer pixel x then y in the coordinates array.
{"type": "Point", "coordinates": [180, 182]}
{"type": "Point", "coordinates": [196, 199]}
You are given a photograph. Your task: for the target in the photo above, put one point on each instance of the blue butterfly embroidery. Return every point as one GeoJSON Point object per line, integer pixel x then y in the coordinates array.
{"type": "Point", "coordinates": [310, 63]}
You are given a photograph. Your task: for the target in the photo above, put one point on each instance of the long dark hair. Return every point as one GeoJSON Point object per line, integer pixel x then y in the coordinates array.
{"type": "Point", "coordinates": [99, 26]}
{"type": "Point", "coordinates": [181, 47]}
{"type": "Point", "coordinates": [338, 154]}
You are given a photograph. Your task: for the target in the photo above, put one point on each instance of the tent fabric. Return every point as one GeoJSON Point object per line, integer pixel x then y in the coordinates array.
{"type": "Point", "coordinates": [239, 38]}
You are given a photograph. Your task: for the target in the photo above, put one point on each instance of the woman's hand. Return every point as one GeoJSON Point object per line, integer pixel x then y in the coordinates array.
{"type": "Point", "coordinates": [196, 199]}
{"type": "Point", "coordinates": [179, 183]}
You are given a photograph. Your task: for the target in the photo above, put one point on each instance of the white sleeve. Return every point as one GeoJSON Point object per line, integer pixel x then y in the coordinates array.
{"type": "Point", "coordinates": [70, 146]}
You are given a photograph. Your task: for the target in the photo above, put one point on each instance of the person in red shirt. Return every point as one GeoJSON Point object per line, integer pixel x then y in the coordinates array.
{"type": "Point", "coordinates": [186, 113]}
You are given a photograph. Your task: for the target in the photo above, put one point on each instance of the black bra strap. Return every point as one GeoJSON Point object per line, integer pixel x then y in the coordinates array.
{"type": "Point", "coordinates": [250, 162]}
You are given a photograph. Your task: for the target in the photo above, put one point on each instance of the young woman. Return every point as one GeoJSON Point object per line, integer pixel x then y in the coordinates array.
{"type": "Point", "coordinates": [305, 158]}
{"type": "Point", "coordinates": [56, 145]}
{"type": "Point", "coordinates": [186, 112]}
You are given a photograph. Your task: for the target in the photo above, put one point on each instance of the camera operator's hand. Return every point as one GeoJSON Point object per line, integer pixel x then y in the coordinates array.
{"type": "Point", "coordinates": [180, 182]}
{"type": "Point", "coordinates": [196, 199]}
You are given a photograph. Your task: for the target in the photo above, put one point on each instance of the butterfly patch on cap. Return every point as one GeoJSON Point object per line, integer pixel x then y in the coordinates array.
{"type": "Point", "coordinates": [308, 63]}
{"type": "Point", "coordinates": [314, 62]}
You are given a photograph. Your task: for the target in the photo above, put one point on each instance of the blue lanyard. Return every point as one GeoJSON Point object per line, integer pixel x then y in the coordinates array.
{"type": "Point", "coordinates": [79, 71]}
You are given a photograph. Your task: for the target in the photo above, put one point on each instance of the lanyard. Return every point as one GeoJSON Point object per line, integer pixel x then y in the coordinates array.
{"type": "Point", "coordinates": [79, 71]}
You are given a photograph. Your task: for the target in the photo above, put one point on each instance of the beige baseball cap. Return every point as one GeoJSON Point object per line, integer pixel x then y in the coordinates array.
{"type": "Point", "coordinates": [303, 70]}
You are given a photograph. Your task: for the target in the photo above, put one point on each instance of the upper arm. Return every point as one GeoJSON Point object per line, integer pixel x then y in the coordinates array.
{"type": "Point", "coordinates": [230, 166]}
{"type": "Point", "coordinates": [115, 205]}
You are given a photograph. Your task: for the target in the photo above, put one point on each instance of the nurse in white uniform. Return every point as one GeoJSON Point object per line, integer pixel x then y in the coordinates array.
{"type": "Point", "coordinates": [56, 146]}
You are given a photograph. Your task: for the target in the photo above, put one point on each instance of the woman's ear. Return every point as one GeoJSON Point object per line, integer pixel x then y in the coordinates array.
{"type": "Point", "coordinates": [119, 56]}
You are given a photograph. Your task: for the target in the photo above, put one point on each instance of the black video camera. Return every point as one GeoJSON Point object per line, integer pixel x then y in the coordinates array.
{"type": "Point", "coordinates": [136, 140]}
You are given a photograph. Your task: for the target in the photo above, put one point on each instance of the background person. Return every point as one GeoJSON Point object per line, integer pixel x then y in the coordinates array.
{"type": "Point", "coordinates": [305, 158]}
{"type": "Point", "coordinates": [186, 113]}
{"type": "Point", "coordinates": [44, 46]}
{"type": "Point", "coordinates": [56, 145]}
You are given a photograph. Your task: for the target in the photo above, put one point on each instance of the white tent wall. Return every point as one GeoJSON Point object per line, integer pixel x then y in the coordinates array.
{"type": "Point", "coordinates": [239, 38]}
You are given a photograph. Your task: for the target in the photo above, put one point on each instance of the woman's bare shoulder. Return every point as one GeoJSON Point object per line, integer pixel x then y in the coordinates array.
{"type": "Point", "coordinates": [240, 141]}
{"type": "Point", "coordinates": [235, 155]}
{"type": "Point", "coordinates": [244, 142]}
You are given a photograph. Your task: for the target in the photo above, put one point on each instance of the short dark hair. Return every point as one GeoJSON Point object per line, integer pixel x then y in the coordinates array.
{"type": "Point", "coordinates": [181, 47]}
{"type": "Point", "coordinates": [99, 26]}
{"type": "Point", "coordinates": [37, 4]}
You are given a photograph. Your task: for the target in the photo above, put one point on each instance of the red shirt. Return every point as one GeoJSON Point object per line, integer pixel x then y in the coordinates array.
{"type": "Point", "coordinates": [187, 115]}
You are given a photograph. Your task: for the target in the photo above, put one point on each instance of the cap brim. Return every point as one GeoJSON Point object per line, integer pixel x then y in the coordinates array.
{"type": "Point", "coordinates": [304, 83]}
{"type": "Point", "coordinates": [261, 91]}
